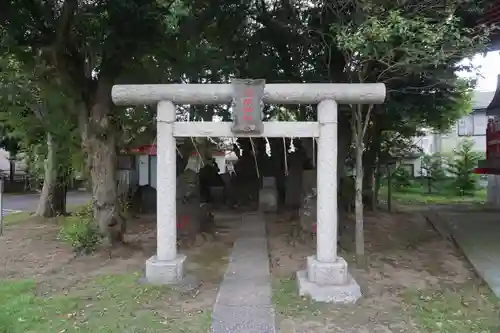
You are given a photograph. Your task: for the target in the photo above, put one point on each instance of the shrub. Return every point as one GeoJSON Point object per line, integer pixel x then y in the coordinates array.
{"type": "Point", "coordinates": [85, 210]}
{"type": "Point", "coordinates": [401, 178]}
{"type": "Point", "coordinates": [461, 166]}
{"type": "Point", "coordinates": [433, 169]}
{"type": "Point", "coordinates": [80, 232]}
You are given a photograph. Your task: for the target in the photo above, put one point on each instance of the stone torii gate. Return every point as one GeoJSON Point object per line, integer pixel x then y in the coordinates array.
{"type": "Point", "coordinates": [326, 277]}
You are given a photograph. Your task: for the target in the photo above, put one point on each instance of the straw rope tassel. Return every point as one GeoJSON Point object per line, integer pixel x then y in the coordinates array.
{"type": "Point", "coordinates": [197, 151]}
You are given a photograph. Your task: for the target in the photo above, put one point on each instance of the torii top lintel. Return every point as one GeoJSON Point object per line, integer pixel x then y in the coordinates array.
{"type": "Point", "coordinates": [274, 93]}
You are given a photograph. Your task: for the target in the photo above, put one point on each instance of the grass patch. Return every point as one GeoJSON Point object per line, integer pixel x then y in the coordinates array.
{"type": "Point", "coordinates": [13, 218]}
{"type": "Point", "coordinates": [288, 303]}
{"type": "Point", "coordinates": [109, 304]}
{"type": "Point", "coordinates": [469, 309]}
{"type": "Point", "coordinates": [420, 195]}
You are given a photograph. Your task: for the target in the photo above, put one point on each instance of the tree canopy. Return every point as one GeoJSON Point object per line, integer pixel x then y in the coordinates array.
{"type": "Point", "coordinates": [74, 51]}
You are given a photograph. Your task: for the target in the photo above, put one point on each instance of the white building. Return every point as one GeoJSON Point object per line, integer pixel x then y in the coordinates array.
{"type": "Point", "coordinates": [20, 166]}
{"type": "Point", "coordinates": [471, 126]}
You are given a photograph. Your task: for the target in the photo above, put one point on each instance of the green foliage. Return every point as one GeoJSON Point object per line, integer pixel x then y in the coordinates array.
{"type": "Point", "coordinates": [401, 178]}
{"type": "Point", "coordinates": [405, 44]}
{"type": "Point", "coordinates": [30, 108]}
{"type": "Point", "coordinates": [79, 52]}
{"type": "Point", "coordinates": [396, 146]}
{"type": "Point", "coordinates": [415, 55]}
{"type": "Point", "coordinates": [84, 210]}
{"type": "Point", "coordinates": [433, 169]}
{"type": "Point", "coordinates": [80, 231]}
{"type": "Point", "coordinates": [443, 192]}
{"type": "Point", "coordinates": [433, 166]}
{"type": "Point", "coordinates": [461, 166]}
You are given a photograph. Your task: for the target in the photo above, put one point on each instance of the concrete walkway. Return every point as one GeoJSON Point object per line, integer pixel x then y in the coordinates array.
{"type": "Point", "coordinates": [478, 236]}
{"type": "Point", "coordinates": [243, 304]}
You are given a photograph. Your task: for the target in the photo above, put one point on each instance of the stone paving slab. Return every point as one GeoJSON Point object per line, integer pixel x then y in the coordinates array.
{"type": "Point", "coordinates": [243, 319]}
{"type": "Point", "coordinates": [478, 236]}
{"type": "Point", "coordinates": [243, 304]}
{"type": "Point", "coordinates": [253, 292]}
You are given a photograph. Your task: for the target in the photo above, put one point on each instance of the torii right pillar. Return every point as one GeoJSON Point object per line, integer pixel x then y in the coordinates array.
{"type": "Point", "coordinates": [326, 278]}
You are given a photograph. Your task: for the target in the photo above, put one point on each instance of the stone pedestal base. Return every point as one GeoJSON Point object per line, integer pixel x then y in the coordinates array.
{"type": "Point", "coordinates": [165, 272]}
{"type": "Point", "coordinates": [328, 282]}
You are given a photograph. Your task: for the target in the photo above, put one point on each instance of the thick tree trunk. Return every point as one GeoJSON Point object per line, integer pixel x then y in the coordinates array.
{"type": "Point", "coordinates": [104, 188]}
{"type": "Point", "coordinates": [101, 145]}
{"type": "Point", "coordinates": [53, 197]}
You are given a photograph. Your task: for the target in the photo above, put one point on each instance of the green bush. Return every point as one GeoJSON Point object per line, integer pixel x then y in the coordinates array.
{"type": "Point", "coordinates": [401, 178]}
{"type": "Point", "coordinates": [81, 233]}
{"type": "Point", "coordinates": [461, 166]}
{"type": "Point", "coordinates": [85, 210]}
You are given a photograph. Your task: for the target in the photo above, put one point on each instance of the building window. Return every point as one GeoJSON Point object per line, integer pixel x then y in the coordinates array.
{"type": "Point", "coordinates": [466, 126]}
{"type": "Point", "coordinates": [474, 124]}
{"type": "Point", "coordinates": [480, 124]}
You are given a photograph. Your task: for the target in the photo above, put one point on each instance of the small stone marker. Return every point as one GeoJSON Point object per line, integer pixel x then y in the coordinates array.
{"type": "Point", "coordinates": [248, 106]}
{"type": "Point", "coordinates": [268, 195]}
{"type": "Point", "coordinates": [293, 182]}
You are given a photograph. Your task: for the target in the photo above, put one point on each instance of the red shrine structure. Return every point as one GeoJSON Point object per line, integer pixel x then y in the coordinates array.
{"type": "Point", "coordinates": [491, 165]}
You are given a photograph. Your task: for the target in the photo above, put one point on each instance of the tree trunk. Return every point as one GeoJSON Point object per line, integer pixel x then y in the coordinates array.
{"type": "Point", "coordinates": [389, 188]}
{"type": "Point", "coordinates": [277, 161]}
{"type": "Point", "coordinates": [376, 191]}
{"type": "Point", "coordinates": [105, 190]}
{"type": "Point", "coordinates": [358, 207]}
{"type": "Point", "coordinates": [53, 197]}
{"type": "Point", "coordinates": [344, 144]}
{"type": "Point", "coordinates": [12, 169]}
{"type": "Point", "coordinates": [101, 145]}
{"type": "Point", "coordinates": [369, 166]}
{"type": "Point", "coordinates": [358, 201]}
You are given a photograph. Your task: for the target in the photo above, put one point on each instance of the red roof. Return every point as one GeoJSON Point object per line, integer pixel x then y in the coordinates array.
{"type": "Point", "coordinates": [151, 150]}
{"type": "Point", "coordinates": [144, 150]}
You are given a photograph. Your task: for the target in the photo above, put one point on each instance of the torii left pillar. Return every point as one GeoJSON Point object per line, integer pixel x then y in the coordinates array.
{"type": "Point", "coordinates": [166, 267]}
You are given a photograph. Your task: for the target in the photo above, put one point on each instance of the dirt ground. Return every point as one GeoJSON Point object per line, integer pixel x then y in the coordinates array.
{"type": "Point", "coordinates": [407, 260]}
{"type": "Point", "coordinates": [31, 249]}
{"type": "Point", "coordinates": [413, 274]}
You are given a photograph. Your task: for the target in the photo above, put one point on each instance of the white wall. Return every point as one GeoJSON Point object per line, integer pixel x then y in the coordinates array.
{"type": "Point", "coordinates": [152, 169]}
{"type": "Point", "coordinates": [5, 166]}
{"type": "Point", "coordinates": [472, 127]}
{"type": "Point", "coordinates": [4, 161]}
{"type": "Point", "coordinates": [143, 169]}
